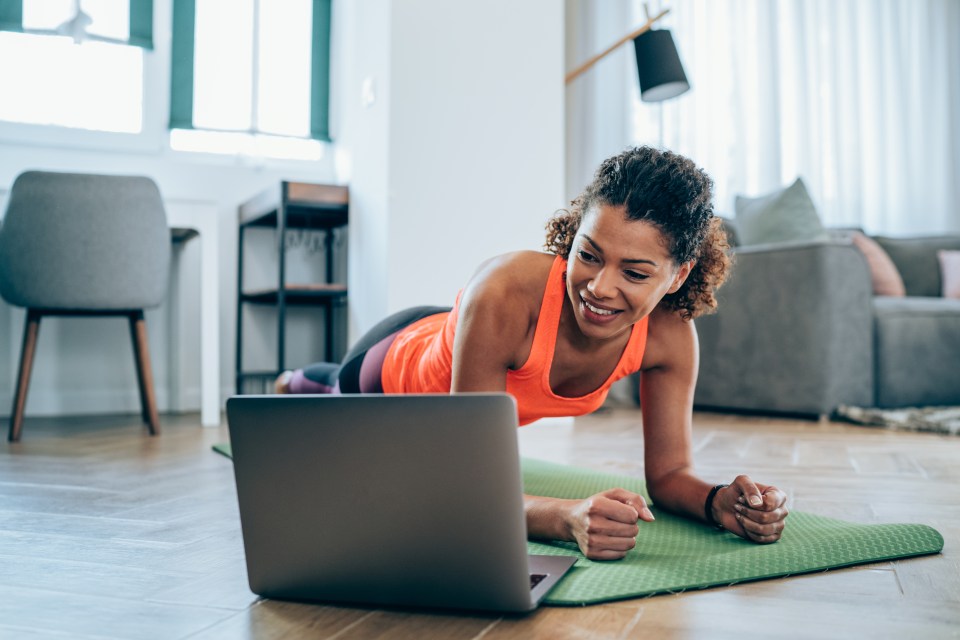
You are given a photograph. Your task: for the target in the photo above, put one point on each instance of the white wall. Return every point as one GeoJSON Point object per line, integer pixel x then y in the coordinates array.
{"type": "Point", "coordinates": [477, 138]}
{"type": "Point", "coordinates": [361, 84]}
{"type": "Point", "coordinates": [468, 110]}
{"type": "Point", "coordinates": [449, 126]}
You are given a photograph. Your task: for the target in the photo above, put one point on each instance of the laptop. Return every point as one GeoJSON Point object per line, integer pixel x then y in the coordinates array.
{"type": "Point", "coordinates": [387, 500]}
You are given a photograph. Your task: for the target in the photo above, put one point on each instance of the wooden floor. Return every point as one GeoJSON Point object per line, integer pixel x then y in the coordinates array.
{"type": "Point", "coordinates": [108, 533]}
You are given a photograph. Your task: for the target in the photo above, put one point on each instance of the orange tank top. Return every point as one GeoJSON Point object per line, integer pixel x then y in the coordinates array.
{"type": "Point", "coordinates": [420, 360]}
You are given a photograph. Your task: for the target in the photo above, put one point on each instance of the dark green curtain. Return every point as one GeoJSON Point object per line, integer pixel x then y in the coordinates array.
{"type": "Point", "coordinates": [181, 64]}
{"type": "Point", "coordinates": [182, 61]}
{"type": "Point", "coordinates": [320, 72]}
{"type": "Point", "coordinates": [11, 15]}
{"type": "Point", "coordinates": [141, 24]}
{"type": "Point", "coordinates": [141, 20]}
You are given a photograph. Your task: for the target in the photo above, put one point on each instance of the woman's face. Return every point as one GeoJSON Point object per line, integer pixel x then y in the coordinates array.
{"type": "Point", "coordinates": [618, 271]}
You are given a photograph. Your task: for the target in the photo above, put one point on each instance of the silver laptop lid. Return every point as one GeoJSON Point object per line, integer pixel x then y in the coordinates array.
{"type": "Point", "coordinates": [389, 500]}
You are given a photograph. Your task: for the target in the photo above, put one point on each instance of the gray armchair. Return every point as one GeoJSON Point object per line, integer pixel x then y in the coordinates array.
{"type": "Point", "coordinates": [799, 330]}
{"type": "Point", "coordinates": [82, 245]}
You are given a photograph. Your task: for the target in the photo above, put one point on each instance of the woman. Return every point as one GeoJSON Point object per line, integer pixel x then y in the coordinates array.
{"type": "Point", "coordinates": [635, 260]}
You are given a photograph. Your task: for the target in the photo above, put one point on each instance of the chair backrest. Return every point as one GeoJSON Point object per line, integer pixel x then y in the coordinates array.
{"type": "Point", "coordinates": [84, 242]}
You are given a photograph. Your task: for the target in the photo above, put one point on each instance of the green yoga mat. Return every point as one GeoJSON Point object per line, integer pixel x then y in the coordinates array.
{"type": "Point", "coordinates": [674, 554]}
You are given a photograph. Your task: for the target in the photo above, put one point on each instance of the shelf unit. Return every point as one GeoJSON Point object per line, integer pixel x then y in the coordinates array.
{"type": "Point", "coordinates": [293, 205]}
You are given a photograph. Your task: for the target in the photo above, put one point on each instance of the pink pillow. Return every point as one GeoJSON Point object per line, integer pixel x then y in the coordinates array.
{"type": "Point", "coordinates": [886, 279]}
{"type": "Point", "coordinates": [950, 273]}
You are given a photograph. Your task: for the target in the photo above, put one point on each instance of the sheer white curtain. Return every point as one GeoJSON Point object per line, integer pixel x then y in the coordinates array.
{"type": "Point", "coordinates": [599, 103]}
{"type": "Point", "coordinates": [861, 98]}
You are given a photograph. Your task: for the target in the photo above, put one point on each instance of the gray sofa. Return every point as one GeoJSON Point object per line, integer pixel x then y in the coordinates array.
{"type": "Point", "coordinates": [799, 330]}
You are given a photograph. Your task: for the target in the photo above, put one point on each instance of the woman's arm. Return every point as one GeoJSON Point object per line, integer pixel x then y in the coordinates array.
{"type": "Point", "coordinates": [494, 334]}
{"type": "Point", "coordinates": [667, 380]}
{"type": "Point", "coordinates": [495, 324]}
{"type": "Point", "coordinates": [669, 374]}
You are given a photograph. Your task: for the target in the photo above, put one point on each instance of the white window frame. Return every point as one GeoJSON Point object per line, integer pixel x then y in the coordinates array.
{"type": "Point", "coordinates": [251, 145]}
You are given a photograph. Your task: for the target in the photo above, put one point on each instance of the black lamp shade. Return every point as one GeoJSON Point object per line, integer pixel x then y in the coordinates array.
{"type": "Point", "coordinates": [658, 65]}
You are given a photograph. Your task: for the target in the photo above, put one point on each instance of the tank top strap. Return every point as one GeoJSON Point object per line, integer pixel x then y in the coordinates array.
{"type": "Point", "coordinates": [632, 358]}
{"type": "Point", "coordinates": [548, 321]}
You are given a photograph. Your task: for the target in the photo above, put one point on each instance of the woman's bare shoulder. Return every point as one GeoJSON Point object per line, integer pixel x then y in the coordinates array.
{"type": "Point", "coordinates": [500, 308]}
{"type": "Point", "coordinates": [508, 291]}
{"type": "Point", "coordinates": [671, 339]}
{"type": "Point", "coordinates": [518, 274]}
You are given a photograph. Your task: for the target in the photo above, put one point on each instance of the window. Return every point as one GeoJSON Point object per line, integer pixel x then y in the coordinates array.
{"type": "Point", "coordinates": [77, 68]}
{"type": "Point", "coordinates": [250, 77]}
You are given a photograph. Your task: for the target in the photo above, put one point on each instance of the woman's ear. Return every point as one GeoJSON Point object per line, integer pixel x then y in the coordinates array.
{"type": "Point", "coordinates": [681, 276]}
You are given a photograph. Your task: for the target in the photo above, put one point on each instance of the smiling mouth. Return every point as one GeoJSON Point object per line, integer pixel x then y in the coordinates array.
{"type": "Point", "coordinates": [597, 310]}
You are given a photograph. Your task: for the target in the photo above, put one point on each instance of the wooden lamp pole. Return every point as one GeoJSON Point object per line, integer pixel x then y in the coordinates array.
{"type": "Point", "coordinates": [630, 36]}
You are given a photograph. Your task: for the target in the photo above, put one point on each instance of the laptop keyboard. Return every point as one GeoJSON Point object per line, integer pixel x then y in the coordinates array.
{"type": "Point", "coordinates": [536, 578]}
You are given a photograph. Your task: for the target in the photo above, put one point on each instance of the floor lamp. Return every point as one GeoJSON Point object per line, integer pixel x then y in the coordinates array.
{"type": "Point", "coordinates": [658, 64]}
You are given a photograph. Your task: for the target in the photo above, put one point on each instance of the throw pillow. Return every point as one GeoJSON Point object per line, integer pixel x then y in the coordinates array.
{"type": "Point", "coordinates": [786, 215]}
{"type": "Point", "coordinates": [950, 273]}
{"type": "Point", "coordinates": [887, 280]}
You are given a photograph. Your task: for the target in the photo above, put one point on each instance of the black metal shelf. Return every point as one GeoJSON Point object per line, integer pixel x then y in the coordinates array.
{"type": "Point", "coordinates": [292, 205]}
{"type": "Point", "coordinates": [256, 381]}
{"type": "Point", "coordinates": [313, 206]}
{"type": "Point", "coordinates": [302, 218]}
{"type": "Point", "coordinates": [297, 295]}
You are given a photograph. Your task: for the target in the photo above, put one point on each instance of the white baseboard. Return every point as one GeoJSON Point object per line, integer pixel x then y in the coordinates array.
{"type": "Point", "coordinates": [47, 403]}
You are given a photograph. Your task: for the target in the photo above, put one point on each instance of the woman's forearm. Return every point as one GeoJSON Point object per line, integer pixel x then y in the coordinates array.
{"type": "Point", "coordinates": [545, 518]}
{"type": "Point", "coordinates": [604, 525]}
{"type": "Point", "coordinates": [680, 492]}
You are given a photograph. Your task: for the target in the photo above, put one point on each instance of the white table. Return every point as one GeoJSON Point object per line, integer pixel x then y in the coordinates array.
{"type": "Point", "coordinates": [202, 217]}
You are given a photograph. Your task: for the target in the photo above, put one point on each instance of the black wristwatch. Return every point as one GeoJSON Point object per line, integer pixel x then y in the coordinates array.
{"type": "Point", "coordinates": [708, 506]}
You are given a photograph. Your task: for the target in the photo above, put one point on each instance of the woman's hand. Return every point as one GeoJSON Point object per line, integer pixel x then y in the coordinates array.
{"type": "Point", "coordinates": [605, 525]}
{"type": "Point", "coordinates": [751, 510]}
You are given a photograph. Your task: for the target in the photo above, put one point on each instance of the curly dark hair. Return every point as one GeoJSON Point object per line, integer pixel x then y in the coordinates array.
{"type": "Point", "coordinates": [671, 192]}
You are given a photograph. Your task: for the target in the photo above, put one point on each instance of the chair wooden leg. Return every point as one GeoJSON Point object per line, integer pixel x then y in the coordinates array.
{"type": "Point", "coordinates": [141, 351]}
{"type": "Point", "coordinates": [30, 332]}
{"type": "Point", "coordinates": [141, 387]}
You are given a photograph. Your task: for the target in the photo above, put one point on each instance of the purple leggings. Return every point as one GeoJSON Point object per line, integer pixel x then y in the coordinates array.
{"type": "Point", "coordinates": [360, 370]}
{"type": "Point", "coordinates": [369, 375]}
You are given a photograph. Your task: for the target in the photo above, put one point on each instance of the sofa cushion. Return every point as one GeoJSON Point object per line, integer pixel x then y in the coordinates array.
{"type": "Point", "coordinates": [785, 215]}
{"type": "Point", "coordinates": [918, 348]}
{"type": "Point", "coordinates": [950, 273]}
{"type": "Point", "coordinates": [916, 260]}
{"type": "Point", "coordinates": [730, 228]}
{"type": "Point", "coordinates": [883, 273]}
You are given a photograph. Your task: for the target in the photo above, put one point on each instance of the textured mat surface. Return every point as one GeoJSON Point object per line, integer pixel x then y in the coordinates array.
{"type": "Point", "coordinates": [674, 554]}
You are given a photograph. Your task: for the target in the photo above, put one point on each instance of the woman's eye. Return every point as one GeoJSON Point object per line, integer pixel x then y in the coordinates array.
{"type": "Point", "coordinates": [636, 275]}
{"type": "Point", "coordinates": [586, 257]}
